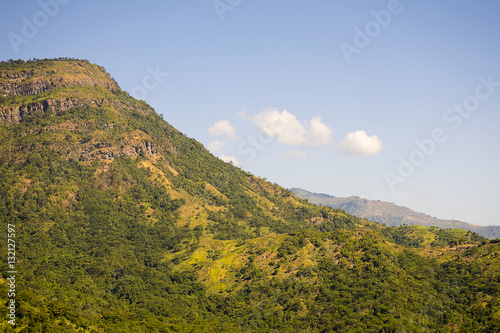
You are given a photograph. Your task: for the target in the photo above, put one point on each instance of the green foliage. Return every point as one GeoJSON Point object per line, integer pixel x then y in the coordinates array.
{"type": "Point", "coordinates": [420, 236]}
{"type": "Point", "coordinates": [177, 240]}
{"type": "Point", "coordinates": [387, 213]}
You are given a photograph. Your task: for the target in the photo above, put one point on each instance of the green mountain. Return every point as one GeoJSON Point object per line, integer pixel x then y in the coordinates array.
{"type": "Point", "coordinates": [391, 214]}
{"type": "Point", "coordinates": [117, 222]}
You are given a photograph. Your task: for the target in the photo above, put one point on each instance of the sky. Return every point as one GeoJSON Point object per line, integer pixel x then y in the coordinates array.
{"type": "Point", "coordinates": [396, 101]}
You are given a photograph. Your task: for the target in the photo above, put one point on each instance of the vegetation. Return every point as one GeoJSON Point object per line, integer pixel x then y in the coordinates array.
{"type": "Point", "coordinates": [123, 224]}
{"type": "Point", "coordinates": [390, 214]}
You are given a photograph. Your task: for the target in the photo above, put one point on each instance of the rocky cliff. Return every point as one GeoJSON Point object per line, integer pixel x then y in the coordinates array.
{"type": "Point", "coordinates": [53, 88]}
{"type": "Point", "coordinates": [57, 75]}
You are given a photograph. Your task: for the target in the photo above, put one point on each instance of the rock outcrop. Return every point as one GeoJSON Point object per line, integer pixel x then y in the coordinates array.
{"type": "Point", "coordinates": [37, 81]}
{"type": "Point", "coordinates": [55, 88]}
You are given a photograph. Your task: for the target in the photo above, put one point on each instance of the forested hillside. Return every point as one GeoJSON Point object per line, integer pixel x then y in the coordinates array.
{"type": "Point", "coordinates": [124, 224]}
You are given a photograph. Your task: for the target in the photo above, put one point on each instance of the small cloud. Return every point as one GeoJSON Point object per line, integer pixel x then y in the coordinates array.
{"type": "Point", "coordinates": [290, 130]}
{"type": "Point", "coordinates": [360, 144]}
{"type": "Point", "coordinates": [294, 155]}
{"type": "Point", "coordinates": [319, 132]}
{"type": "Point", "coordinates": [223, 128]}
{"type": "Point", "coordinates": [230, 159]}
{"type": "Point", "coordinates": [243, 114]}
{"type": "Point", "coordinates": [216, 146]}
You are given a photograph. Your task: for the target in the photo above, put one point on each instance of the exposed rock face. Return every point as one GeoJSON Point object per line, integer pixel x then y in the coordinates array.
{"type": "Point", "coordinates": [37, 81]}
{"type": "Point", "coordinates": [15, 114]}
{"type": "Point", "coordinates": [16, 87]}
{"type": "Point", "coordinates": [105, 151]}
{"type": "Point", "coordinates": [58, 86]}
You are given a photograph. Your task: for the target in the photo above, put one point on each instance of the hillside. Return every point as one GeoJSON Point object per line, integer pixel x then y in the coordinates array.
{"type": "Point", "coordinates": [391, 214]}
{"type": "Point", "coordinates": [122, 223]}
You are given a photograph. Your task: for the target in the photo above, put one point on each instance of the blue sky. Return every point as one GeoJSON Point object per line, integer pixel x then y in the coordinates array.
{"type": "Point", "coordinates": [391, 100]}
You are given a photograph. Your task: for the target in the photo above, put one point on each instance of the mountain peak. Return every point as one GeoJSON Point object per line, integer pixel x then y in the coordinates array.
{"type": "Point", "coordinates": [51, 84]}
{"type": "Point", "coordinates": [35, 77]}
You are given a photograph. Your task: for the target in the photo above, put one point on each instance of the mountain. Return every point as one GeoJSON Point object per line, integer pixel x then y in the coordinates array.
{"type": "Point", "coordinates": [391, 214]}
{"type": "Point", "coordinates": [117, 222]}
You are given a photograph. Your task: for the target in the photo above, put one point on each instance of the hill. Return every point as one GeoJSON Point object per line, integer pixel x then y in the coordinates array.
{"type": "Point", "coordinates": [391, 214]}
{"type": "Point", "coordinates": [121, 223]}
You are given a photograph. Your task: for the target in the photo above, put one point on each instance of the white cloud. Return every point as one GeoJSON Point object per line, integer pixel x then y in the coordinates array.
{"type": "Point", "coordinates": [215, 147]}
{"type": "Point", "coordinates": [319, 132]}
{"type": "Point", "coordinates": [242, 114]}
{"type": "Point", "coordinates": [290, 130]}
{"type": "Point", "coordinates": [293, 155]}
{"type": "Point", "coordinates": [223, 128]}
{"type": "Point", "coordinates": [360, 144]}
{"type": "Point", "coordinates": [230, 159]}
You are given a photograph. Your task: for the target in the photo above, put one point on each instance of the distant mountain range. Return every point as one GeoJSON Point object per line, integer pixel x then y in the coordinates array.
{"type": "Point", "coordinates": [390, 213]}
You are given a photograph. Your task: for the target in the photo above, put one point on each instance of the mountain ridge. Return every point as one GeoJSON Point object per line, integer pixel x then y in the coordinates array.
{"type": "Point", "coordinates": [390, 213]}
